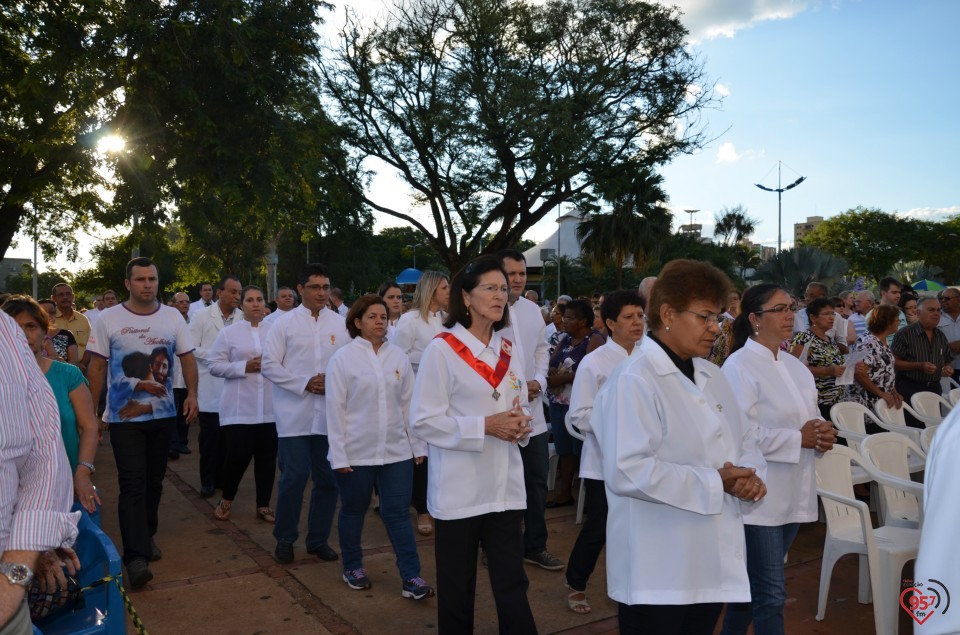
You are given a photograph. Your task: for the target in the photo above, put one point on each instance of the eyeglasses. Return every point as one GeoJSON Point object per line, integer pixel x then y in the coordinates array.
{"type": "Point", "coordinates": [780, 308]}
{"type": "Point", "coordinates": [708, 318]}
{"type": "Point", "coordinates": [317, 287]}
{"type": "Point", "coordinates": [494, 288]}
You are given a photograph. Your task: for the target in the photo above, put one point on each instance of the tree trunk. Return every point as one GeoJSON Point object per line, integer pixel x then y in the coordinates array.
{"type": "Point", "coordinates": [270, 259]}
{"type": "Point", "coordinates": [10, 216]}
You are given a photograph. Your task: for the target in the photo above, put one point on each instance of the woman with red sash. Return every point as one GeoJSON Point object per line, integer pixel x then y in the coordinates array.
{"type": "Point", "coordinates": [469, 405]}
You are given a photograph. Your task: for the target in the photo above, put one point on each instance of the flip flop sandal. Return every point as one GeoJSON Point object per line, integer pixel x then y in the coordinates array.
{"type": "Point", "coordinates": [266, 514]}
{"type": "Point", "coordinates": [577, 601]}
{"type": "Point", "coordinates": [222, 510]}
{"type": "Point", "coordinates": [424, 527]}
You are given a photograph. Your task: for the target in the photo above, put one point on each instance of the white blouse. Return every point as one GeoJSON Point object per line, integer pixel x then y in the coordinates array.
{"type": "Point", "coordinates": [591, 374]}
{"type": "Point", "coordinates": [368, 406]}
{"type": "Point", "coordinates": [245, 397]}
{"type": "Point", "coordinates": [469, 473]}
{"type": "Point", "coordinates": [673, 535]}
{"type": "Point", "coordinates": [412, 334]}
{"type": "Point", "coordinates": [297, 348]}
{"type": "Point", "coordinates": [778, 396]}
{"type": "Point", "coordinates": [526, 331]}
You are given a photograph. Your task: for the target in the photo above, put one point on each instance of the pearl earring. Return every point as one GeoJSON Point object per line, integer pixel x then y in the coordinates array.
{"type": "Point", "coordinates": [756, 329]}
{"type": "Point", "coordinates": [468, 310]}
{"type": "Point", "coordinates": [668, 327]}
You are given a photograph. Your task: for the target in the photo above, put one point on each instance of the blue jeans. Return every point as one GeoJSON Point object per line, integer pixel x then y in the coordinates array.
{"type": "Point", "coordinates": [536, 465]}
{"type": "Point", "coordinates": [394, 482]}
{"type": "Point", "coordinates": [299, 458]}
{"type": "Point", "coordinates": [562, 441]}
{"type": "Point", "coordinates": [766, 548]}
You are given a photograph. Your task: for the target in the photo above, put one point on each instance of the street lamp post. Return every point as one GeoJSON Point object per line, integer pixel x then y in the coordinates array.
{"type": "Point", "coordinates": [414, 247]}
{"type": "Point", "coordinates": [780, 190]}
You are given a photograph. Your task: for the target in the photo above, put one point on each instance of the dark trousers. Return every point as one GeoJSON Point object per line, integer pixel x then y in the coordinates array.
{"type": "Point", "coordinates": [419, 497]}
{"type": "Point", "coordinates": [536, 464]}
{"type": "Point", "coordinates": [668, 619]}
{"type": "Point", "coordinates": [455, 548]}
{"type": "Point", "coordinates": [140, 451]}
{"type": "Point", "coordinates": [181, 434]}
{"type": "Point", "coordinates": [243, 443]}
{"type": "Point", "coordinates": [908, 388]}
{"type": "Point", "coordinates": [211, 453]}
{"type": "Point", "coordinates": [592, 537]}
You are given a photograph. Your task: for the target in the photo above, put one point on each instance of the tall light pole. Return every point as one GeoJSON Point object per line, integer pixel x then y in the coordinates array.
{"type": "Point", "coordinates": [780, 190]}
{"type": "Point", "coordinates": [414, 247]}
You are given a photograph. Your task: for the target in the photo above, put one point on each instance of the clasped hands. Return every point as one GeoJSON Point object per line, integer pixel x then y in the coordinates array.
{"type": "Point", "coordinates": [510, 425]}
{"type": "Point", "coordinates": [817, 434]}
{"type": "Point", "coordinates": [742, 482]}
{"type": "Point", "coordinates": [317, 384]}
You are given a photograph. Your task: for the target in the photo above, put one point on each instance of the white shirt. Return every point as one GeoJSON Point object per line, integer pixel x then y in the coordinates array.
{"type": "Point", "coordinates": [469, 473]}
{"type": "Point", "coordinates": [526, 331]}
{"type": "Point", "coordinates": [951, 328]}
{"type": "Point", "coordinates": [273, 316]}
{"type": "Point", "coordinates": [297, 348]}
{"type": "Point", "coordinates": [591, 374]}
{"type": "Point", "coordinates": [413, 334]}
{"type": "Point", "coordinates": [343, 309]}
{"type": "Point", "coordinates": [663, 438]}
{"type": "Point", "coordinates": [205, 325]}
{"type": "Point", "coordinates": [368, 406]}
{"type": "Point", "coordinates": [778, 396]}
{"type": "Point", "coordinates": [246, 397]}
{"type": "Point", "coordinates": [92, 316]}
{"type": "Point", "coordinates": [197, 306]}
{"type": "Point", "coordinates": [939, 558]}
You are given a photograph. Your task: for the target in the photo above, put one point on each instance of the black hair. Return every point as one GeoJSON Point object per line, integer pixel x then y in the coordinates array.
{"type": "Point", "coordinates": [582, 308]}
{"type": "Point", "coordinates": [312, 269]}
{"type": "Point", "coordinates": [512, 254]}
{"type": "Point", "coordinates": [752, 301]}
{"type": "Point", "coordinates": [614, 302]}
{"type": "Point", "coordinates": [818, 305]}
{"type": "Point", "coordinates": [223, 281]}
{"type": "Point", "coordinates": [142, 261]}
{"type": "Point", "coordinates": [888, 282]}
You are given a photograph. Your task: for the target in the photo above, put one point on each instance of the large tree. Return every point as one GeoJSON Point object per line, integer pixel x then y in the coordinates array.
{"type": "Point", "coordinates": [494, 112]}
{"type": "Point", "coordinates": [635, 227]}
{"type": "Point", "coordinates": [60, 74]}
{"type": "Point", "coordinates": [793, 269]}
{"type": "Point", "coordinates": [871, 240]}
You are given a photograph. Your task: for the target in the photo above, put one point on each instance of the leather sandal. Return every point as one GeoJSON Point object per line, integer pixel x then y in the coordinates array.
{"type": "Point", "coordinates": [266, 514]}
{"type": "Point", "coordinates": [425, 524]}
{"type": "Point", "coordinates": [222, 510]}
{"type": "Point", "coordinates": [577, 601]}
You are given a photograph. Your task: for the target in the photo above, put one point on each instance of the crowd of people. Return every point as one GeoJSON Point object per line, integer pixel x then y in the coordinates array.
{"type": "Point", "coordinates": [701, 410]}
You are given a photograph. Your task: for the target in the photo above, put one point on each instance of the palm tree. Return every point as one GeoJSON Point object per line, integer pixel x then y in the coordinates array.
{"type": "Point", "coordinates": [636, 226]}
{"type": "Point", "coordinates": [733, 226]}
{"type": "Point", "coordinates": [794, 269]}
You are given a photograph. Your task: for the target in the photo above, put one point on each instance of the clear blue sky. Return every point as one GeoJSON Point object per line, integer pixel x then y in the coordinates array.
{"type": "Point", "coordinates": [859, 96]}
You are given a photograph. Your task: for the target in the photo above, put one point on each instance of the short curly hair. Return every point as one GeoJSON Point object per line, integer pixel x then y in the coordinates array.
{"type": "Point", "coordinates": [683, 282]}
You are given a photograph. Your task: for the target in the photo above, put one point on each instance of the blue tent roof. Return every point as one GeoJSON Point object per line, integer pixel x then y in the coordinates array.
{"type": "Point", "coordinates": [409, 276]}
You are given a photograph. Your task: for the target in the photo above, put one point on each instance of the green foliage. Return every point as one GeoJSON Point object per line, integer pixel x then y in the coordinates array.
{"type": "Point", "coordinates": [59, 73]}
{"type": "Point", "coordinates": [794, 269]}
{"type": "Point", "coordinates": [680, 245]}
{"type": "Point", "coordinates": [733, 226]}
{"type": "Point", "coordinates": [497, 111]}
{"type": "Point", "coordinates": [872, 240]}
{"type": "Point", "coordinates": [635, 228]}
{"type": "Point", "coordinates": [22, 282]}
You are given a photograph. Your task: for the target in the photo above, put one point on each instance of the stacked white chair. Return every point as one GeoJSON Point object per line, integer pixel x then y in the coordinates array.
{"type": "Point", "coordinates": [930, 404]}
{"type": "Point", "coordinates": [576, 434]}
{"type": "Point", "coordinates": [926, 438]}
{"type": "Point", "coordinates": [850, 418]}
{"type": "Point", "coordinates": [883, 551]}
{"type": "Point", "coordinates": [895, 421]}
{"type": "Point", "coordinates": [954, 396]}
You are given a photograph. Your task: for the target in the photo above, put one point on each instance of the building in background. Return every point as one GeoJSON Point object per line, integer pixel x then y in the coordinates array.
{"type": "Point", "coordinates": [802, 229]}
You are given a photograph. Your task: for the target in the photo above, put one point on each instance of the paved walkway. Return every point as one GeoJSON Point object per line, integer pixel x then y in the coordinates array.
{"type": "Point", "coordinates": [220, 577]}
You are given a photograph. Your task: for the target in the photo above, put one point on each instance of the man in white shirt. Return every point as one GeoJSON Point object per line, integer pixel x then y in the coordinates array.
{"type": "Point", "coordinates": [336, 298]}
{"type": "Point", "coordinates": [205, 325]}
{"type": "Point", "coordinates": [890, 291]}
{"type": "Point", "coordinates": [286, 298]}
{"type": "Point", "coordinates": [295, 356]}
{"type": "Point", "coordinates": [814, 290]}
{"type": "Point", "coordinates": [92, 314]}
{"type": "Point", "coordinates": [527, 331]}
{"type": "Point", "coordinates": [206, 298]}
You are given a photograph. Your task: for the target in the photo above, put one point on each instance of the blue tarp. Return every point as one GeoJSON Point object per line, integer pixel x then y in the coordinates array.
{"type": "Point", "coordinates": [409, 276]}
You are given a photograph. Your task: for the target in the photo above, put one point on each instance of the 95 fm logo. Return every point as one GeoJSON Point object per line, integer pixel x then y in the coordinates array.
{"type": "Point", "coordinates": [924, 599]}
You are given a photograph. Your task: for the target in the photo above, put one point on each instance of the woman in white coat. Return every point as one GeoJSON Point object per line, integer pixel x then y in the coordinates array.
{"type": "Point", "coordinates": [414, 331]}
{"type": "Point", "coordinates": [468, 405]}
{"type": "Point", "coordinates": [679, 463]}
{"type": "Point", "coordinates": [246, 406]}
{"type": "Point", "coordinates": [369, 383]}
{"type": "Point", "coordinates": [779, 397]}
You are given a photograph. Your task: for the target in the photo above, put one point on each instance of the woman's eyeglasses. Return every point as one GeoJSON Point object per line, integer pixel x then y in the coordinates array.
{"type": "Point", "coordinates": [780, 308]}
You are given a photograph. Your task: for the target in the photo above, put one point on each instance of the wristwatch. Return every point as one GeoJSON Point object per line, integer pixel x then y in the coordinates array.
{"type": "Point", "coordinates": [89, 466]}
{"type": "Point", "coordinates": [17, 573]}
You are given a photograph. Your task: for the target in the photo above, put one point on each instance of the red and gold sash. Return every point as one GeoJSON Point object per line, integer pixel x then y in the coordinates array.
{"type": "Point", "coordinates": [492, 376]}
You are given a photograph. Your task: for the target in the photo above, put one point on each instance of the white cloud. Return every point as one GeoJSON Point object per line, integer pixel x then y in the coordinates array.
{"type": "Point", "coordinates": [708, 19]}
{"type": "Point", "coordinates": [722, 89]}
{"type": "Point", "coordinates": [727, 153]}
{"type": "Point", "coordinates": [933, 214]}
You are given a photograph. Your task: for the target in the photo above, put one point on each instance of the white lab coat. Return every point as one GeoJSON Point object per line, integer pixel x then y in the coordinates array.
{"type": "Point", "coordinates": [591, 374]}
{"type": "Point", "coordinates": [297, 348]}
{"type": "Point", "coordinates": [938, 563]}
{"type": "Point", "coordinates": [368, 406]}
{"type": "Point", "coordinates": [412, 334]}
{"type": "Point", "coordinates": [246, 397]}
{"type": "Point", "coordinates": [470, 474]}
{"type": "Point", "coordinates": [205, 325]}
{"type": "Point", "coordinates": [526, 331]}
{"type": "Point", "coordinates": [778, 397]}
{"type": "Point", "coordinates": [673, 535]}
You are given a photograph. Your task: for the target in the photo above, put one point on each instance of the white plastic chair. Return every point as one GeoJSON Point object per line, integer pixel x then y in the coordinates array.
{"type": "Point", "coordinates": [895, 421]}
{"type": "Point", "coordinates": [888, 452]}
{"type": "Point", "coordinates": [883, 551]}
{"type": "Point", "coordinates": [954, 396]}
{"type": "Point", "coordinates": [576, 434]}
{"type": "Point", "coordinates": [930, 404]}
{"type": "Point", "coordinates": [850, 419]}
{"type": "Point", "coordinates": [926, 438]}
